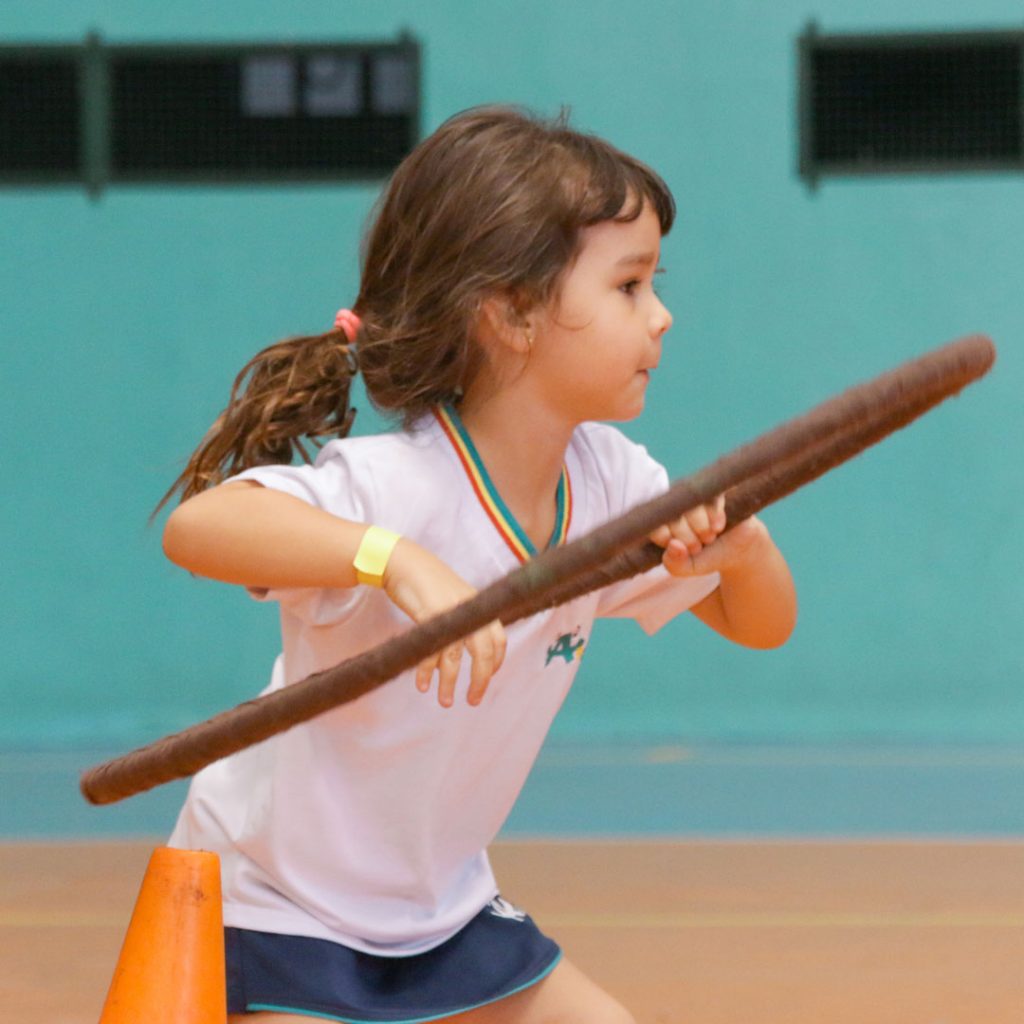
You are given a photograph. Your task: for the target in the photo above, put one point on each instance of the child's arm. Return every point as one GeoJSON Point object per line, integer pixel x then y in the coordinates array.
{"type": "Point", "coordinates": [755, 604]}
{"type": "Point", "coordinates": [245, 533]}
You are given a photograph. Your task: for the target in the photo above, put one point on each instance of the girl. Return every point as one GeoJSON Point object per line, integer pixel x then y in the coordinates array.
{"type": "Point", "coordinates": [506, 304]}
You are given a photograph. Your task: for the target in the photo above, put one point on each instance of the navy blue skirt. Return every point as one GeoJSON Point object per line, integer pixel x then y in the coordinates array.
{"type": "Point", "coordinates": [498, 953]}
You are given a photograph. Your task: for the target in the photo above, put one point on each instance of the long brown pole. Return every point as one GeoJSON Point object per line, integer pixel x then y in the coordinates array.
{"type": "Point", "coordinates": [773, 465]}
{"type": "Point", "coordinates": [752, 495]}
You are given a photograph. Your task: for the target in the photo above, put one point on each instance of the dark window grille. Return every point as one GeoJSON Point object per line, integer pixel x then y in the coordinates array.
{"type": "Point", "coordinates": [39, 115]}
{"type": "Point", "coordinates": [312, 114]}
{"type": "Point", "coordinates": [315, 112]}
{"type": "Point", "coordinates": [911, 103]}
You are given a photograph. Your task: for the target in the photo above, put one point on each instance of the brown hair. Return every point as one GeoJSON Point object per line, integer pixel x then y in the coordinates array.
{"type": "Point", "coordinates": [492, 203]}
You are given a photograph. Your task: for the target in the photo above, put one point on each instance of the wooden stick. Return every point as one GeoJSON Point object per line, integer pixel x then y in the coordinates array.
{"type": "Point", "coordinates": [761, 471]}
{"type": "Point", "coordinates": [750, 496]}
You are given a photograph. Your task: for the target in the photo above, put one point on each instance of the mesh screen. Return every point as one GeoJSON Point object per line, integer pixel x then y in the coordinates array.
{"type": "Point", "coordinates": [261, 114]}
{"type": "Point", "coordinates": [39, 115]}
{"type": "Point", "coordinates": [889, 105]}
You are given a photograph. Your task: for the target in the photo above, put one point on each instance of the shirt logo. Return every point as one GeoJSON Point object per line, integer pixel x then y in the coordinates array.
{"type": "Point", "coordinates": [568, 646]}
{"type": "Point", "coordinates": [500, 907]}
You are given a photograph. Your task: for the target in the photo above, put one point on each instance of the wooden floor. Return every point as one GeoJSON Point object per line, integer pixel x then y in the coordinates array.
{"type": "Point", "coordinates": [918, 932]}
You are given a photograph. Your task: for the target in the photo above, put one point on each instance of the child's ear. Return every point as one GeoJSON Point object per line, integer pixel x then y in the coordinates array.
{"type": "Point", "coordinates": [502, 325]}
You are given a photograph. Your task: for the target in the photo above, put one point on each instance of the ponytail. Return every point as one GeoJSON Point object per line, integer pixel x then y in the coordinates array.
{"type": "Point", "coordinates": [296, 389]}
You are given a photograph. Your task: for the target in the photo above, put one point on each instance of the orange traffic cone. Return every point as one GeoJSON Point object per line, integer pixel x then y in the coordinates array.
{"type": "Point", "coordinates": [171, 967]}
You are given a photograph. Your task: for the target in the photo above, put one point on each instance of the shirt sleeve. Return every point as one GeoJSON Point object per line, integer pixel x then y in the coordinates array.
{"type": "Point", "coordinates": [632, 477]}
{"type": "Point", "coordinates": [654, 598]}
{"type": "Point", "coordinates": [331, 484]}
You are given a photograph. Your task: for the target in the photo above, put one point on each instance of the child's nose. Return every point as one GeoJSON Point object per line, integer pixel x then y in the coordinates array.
{"type": "Point", "coordinates": [661, 319]}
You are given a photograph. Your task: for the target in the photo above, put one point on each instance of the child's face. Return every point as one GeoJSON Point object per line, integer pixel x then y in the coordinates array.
{"type": "Point", "coordinates": [596, 346]}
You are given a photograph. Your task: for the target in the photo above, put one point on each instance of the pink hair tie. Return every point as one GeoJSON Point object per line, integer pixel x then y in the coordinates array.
{"type": "Point", "coordinates": [347, 321]}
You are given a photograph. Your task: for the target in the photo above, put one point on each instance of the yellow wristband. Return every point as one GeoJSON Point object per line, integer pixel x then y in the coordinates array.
{"type": "Point", "coordinates": [372, 557]}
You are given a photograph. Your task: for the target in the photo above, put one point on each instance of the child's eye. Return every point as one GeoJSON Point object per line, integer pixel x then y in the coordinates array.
{"type": "Point", "coordinates": [631, 286]}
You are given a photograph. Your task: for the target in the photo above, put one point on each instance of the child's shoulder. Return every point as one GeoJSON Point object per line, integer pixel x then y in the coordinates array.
{"type": "Point", "coordinates": [385, 454]}
{"type": "Point", "coordinates": [601, 443]}
{"type": "Point", "coordinates": [393, 478]}
{"type": "Point", "coordinates": [614, 470]}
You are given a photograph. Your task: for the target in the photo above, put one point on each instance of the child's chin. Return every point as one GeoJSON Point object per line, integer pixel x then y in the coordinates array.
{"type": "Point", "coordinates": [628, 414]}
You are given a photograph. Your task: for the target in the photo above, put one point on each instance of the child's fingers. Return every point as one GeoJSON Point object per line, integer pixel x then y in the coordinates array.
{"type": "Point", "coordinates": [719, 518]}
{"type": "Point", "coordinates": [696, 528]}
{"type": "Point", "coordinates": [703, 522]}
{"type": "Point", "coordinates": [501, 644]}
{"type": "Point", "coordinates": [699, 520]}
{"type": "Point", "coordinates": [487, 646]}
{"type": "Point", "coordinates": [683, 532]}
{"type": "Point", "coordinates": [446, 664]}
{"type": "Point", "coordinates": [425, 672]}
{"type": "Point", "coordinates": [677, 558]}
{"type": "Point", "coordinates": [661, 536]}
{"type": "Point", "coordinates": [480, 675]}
{"type": "Point", "coordinates": [448, 672]}
{"type": "Point", "coordinates": [487, 649]}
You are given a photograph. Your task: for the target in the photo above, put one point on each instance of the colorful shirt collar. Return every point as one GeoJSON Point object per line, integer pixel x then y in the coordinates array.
{"type": "Point", "coordinates": [487, 494]}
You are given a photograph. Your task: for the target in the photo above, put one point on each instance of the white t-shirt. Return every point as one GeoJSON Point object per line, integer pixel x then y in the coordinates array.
{"type": "Point", "coordinates": [369, 825]}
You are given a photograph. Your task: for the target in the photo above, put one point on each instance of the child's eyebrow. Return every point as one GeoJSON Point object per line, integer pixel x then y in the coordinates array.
{"type": "Point", "coordinates": [637, 259]}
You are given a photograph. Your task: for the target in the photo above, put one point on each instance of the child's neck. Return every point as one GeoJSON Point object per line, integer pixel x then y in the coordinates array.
{"type": "Point", "coordinates": [524, 455]}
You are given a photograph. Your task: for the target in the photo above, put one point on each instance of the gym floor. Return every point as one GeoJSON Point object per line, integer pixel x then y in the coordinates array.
{"type": "Point", "coordinates": [720, 885]}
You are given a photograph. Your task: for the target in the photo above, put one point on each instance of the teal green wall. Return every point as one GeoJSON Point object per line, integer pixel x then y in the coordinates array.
{"type": "Point", "coordinates": [123, 321]}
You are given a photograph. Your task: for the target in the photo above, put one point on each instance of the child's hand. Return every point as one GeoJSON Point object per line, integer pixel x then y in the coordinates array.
{"type": "Point", "coordinates": [423, 586]}
{"type": "Point", "coordinates": [693, 532]}
{"type": "Point", "coordinates": [755, 602]}
{"type": "Point", "coordinates": [695, 544]}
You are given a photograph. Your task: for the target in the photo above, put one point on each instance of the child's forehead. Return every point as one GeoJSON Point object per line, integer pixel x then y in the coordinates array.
{"type": "Point", "coordinates": [630, 243]}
